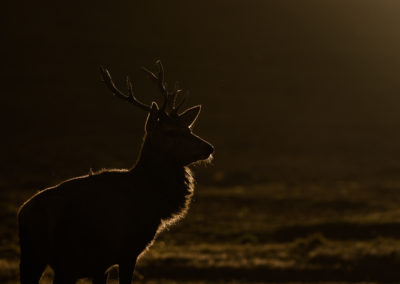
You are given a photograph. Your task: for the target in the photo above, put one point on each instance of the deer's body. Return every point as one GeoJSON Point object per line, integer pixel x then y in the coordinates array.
{"type": "Point", "coordinates": [87, 224]}
{"type": "Point", "coordinates": [84, 225]}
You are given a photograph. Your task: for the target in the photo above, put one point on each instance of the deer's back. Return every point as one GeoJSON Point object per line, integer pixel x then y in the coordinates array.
{"type": "Point", "coordinates": [107, 215]}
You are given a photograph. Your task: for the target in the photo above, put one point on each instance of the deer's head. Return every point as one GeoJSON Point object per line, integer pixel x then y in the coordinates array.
{"type": "Point", "coordinates": [168, 132]}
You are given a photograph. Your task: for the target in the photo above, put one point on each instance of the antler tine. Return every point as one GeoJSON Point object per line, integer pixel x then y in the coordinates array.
{"type": "Point", "coordinates": [130, 98]}
{"type": "Point", "coordinates": [161, 73]}
{"type": "Point", "coordinates": [171, 100]}
{"type": "Point", "coordinates": [168, 105]}
{"type": "Point", "coordinates": [160, 82]}
{"type": "Point", "coordinates": [181, 102]}
{"type": "Point", "coordinates": [174, 95]}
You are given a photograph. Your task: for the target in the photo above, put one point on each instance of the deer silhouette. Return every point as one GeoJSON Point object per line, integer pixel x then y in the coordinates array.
{"type": "Point", "coordinates": [84, 225]}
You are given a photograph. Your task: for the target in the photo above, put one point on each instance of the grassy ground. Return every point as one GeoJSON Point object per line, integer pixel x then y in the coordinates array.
{"type": "Point", "coordinates": [272, 232]}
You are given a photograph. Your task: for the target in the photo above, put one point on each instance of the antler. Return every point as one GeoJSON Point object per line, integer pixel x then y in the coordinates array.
{"type": "Point", "coordinates": [159, 80]}
{"type": "Point", "coordinates": [130, 97]}
{"type": "Point", "coordinates": [168, 105]}
{"type": "Point", "coordinates": [169, 97]}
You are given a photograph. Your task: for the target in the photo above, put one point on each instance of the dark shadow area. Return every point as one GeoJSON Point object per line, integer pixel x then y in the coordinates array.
{"type": "Point", "coordinates": [300, 100]}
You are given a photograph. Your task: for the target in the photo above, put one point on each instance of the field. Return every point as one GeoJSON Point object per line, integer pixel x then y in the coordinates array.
{"type": "Point", "coordinates": [270, 232]}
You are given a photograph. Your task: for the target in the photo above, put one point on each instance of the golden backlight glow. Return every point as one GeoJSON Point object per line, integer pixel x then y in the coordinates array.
{"type": "Point", "coordinates": [300, 99]}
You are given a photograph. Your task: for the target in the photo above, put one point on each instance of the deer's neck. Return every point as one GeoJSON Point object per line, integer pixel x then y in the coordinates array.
{"type": "Point", "coordinates": [171, 185]}
{"type": "Point", "coordinates": [163, 170]}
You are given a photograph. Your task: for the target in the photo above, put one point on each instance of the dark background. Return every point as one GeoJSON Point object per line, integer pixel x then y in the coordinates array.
{"type": "Point", "coordinates": [300, 100]}
{"type": "Point", "coordinates": [290, 89]}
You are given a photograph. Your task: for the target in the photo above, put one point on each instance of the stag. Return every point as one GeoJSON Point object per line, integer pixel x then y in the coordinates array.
{"type": "Point", "coordinates": [87, 224]}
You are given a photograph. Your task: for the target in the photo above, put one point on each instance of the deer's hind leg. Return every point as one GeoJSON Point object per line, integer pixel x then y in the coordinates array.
{"type": "Point", "coordinates": [31, 266]}
{"type": "Point", "coordinates": [126, 270]}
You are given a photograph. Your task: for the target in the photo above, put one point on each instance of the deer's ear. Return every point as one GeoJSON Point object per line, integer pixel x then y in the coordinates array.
{"type": "Point", "coordinates": [152, 118]}
{"type": "Point", "coordinates": [189, 116]}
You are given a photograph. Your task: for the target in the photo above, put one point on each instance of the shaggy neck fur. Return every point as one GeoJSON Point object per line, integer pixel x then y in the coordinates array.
{"type": "Point", "coordinates": [172, 184]}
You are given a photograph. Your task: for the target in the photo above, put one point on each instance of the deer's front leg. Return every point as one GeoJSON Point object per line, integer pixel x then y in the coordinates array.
{"type": "Point", "coordinates": [126, 272]}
